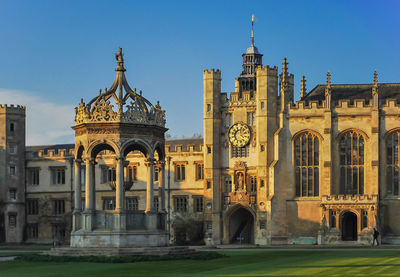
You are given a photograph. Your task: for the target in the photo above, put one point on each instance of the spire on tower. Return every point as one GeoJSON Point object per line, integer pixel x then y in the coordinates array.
{"type": "Point", "coordinates": [253, 19]}
{"type": "Point", "coordinates": [303, 89]}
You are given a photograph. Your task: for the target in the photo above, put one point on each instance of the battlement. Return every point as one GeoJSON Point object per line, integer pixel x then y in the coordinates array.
{"type": "Point", "coordinates": [52, 153]}
{"type": "Point", "coordinates": [356, 103]}
{"type": "Point", "coordinates": [4, 108]}
{"type": "Point", "coordinates": [184, 146]}
{"type": "Point", "coordinates": [213, 73]}
{"type": "Point", "coordinates": [390, 103]}
{"type": "Point", "coordinates": [262, 70]}
{"type": "Point", "coordinates": [300, 105]}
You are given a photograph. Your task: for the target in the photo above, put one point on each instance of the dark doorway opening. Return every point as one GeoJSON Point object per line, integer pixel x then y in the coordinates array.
{"type": "Point", "coordinates": [241, 227]}
{"type": "Point", "coordinates": [349, 226]}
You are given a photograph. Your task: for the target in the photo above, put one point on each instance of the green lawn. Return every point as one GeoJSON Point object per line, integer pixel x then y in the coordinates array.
{"type": "Point", "coordinates": [299, 263]}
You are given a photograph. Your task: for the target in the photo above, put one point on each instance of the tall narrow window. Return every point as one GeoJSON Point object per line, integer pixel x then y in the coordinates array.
{"type": "Point", "coordinates": [351, 150]}
{"type": "Point", "coordinates": [392, 164]}
{"type": "Point", "coordinates": [251, 118]}
{"type": "Point", "coordinates": [58, 176]}
{"type": "Point", "coordinates": [228, 184]}
{"type": "Point", "coordinates": [33, 176]}
{"type": "Point", "coordinates": [180, 172]}
{"type": "Point", "coordinates": [199, 171]}
{"type": "Point", "coordinates": [306, 156]}
{"type": "Point", "coordinates": [253, 183]}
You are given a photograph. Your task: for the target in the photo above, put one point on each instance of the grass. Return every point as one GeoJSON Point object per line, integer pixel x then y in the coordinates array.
{"type": "Point", "coordinates": [277, 263]}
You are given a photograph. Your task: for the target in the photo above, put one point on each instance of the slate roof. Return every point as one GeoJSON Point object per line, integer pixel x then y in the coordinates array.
{"type": "Point", "coordinates": [354, 91]}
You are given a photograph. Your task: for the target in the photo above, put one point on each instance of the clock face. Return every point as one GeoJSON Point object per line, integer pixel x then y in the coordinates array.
{"type": "Point", "coordinates": [239, 135]}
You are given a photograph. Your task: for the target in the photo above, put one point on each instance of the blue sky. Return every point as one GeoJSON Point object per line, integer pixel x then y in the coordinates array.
{"type": "Point", "coordinates": [52, 53]}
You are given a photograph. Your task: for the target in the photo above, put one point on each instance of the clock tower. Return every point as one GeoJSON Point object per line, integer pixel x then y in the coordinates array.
{"type": "Point", "coordinates": [238, 147]}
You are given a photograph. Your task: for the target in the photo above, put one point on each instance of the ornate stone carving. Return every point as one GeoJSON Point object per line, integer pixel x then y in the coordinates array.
{"type": "Point", "coordinates": [101, 110]}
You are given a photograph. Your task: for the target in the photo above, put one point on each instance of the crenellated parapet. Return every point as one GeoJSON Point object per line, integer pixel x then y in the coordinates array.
{"type": "Point", "coordinates": [212, 73]}
{"type": "Point", "coordinates": [51, 154]}
{"type": "Point", "coordinates": [181, 148]}
{"type": "Point", "coordinates": [267, 70]}
{"type": "Point", "coordinates": [15, 109]}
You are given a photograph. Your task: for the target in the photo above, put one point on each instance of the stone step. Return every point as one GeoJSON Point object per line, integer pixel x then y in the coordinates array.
{"type": "Point", "coordinates": [95, 251]}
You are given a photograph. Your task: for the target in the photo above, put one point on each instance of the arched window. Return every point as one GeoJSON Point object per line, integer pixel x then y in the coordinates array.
{"type": "Point", "coordinates": [392, 164]}
{"type": "Point", "coordinates": [351, 163]}
{"type": "Point", "coordinates": [306, 155]}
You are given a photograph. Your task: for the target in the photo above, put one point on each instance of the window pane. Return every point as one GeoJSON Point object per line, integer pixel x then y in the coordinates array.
{"type": "Point", "coordinates": [348, 149]}
{"type": "Point", "coordinates": [309, 150]}
{"type": "Point", "coordinates": [349, 187]}
{"type": "Point", "coordinates": [303, 150]}
{"type": "Point", "coordinates": [389, 150]}
{"type": "Point", "coordinates": [298, 181]}
{"type": "Point", "coordinates": [361, 152]}
{"type": "Point", "coordinates": [389, 179]}
{"type": "Point", "coordinates": [361, 181]}
{"type": "Point", "coordinates": [316, 181]}
{"type": "Point", "coordinates": [355, 181]}
{"type": "Point", "coordinates": [316, 151]}
{"type": "Point", "coordinates": [310, 181]}
{"type": "Point", "coordinates": [343, 151]}
{"type": "Point", "coordinates": [303, 181]}
{"type": "Point", "coordinates": [297, 151]}
{"type": "Point", "coordinates": [342, 180]}
{"type": "Point", "coordinates": [396, 181]}
{"type": "Point", "coordinates": [395, 148]}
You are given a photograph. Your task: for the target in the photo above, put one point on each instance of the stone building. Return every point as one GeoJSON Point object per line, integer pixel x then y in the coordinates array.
{"type": "Point", "coordinates": [269, 170]}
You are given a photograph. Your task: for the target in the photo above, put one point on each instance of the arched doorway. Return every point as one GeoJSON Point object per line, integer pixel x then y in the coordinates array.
{"type": "Point", "coordinates": [349, 226]}
{"type": "Point", "coordinates": [241, 227]}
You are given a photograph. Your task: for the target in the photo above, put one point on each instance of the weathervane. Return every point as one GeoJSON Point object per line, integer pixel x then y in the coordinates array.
{"type": "Point", "coordinates": [253, 19]}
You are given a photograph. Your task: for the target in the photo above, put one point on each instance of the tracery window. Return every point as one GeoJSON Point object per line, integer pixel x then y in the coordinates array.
{"type": "Point", "coordinates": [351, 163]}
{"type": "Point", "coordinates": [392, 164]}
{"type": "Point", "coordinates": [306, 155]}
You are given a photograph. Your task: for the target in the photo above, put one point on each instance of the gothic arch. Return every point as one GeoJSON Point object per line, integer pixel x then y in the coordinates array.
{"type": "Point", "coordinates": [160, 149]}
{"type": "Point", "coordinates": [390, 132]}
{"type": "Point", "coordinates": [79, 151]}
{"type": "Point", "coordinates": [136, 144]}
{"type": "Point", "coordinates": [315, 133]}
{"type": "Point", "coordinates": [96, 147]}
{"type": "Point", "coordinates": [236, 207]}
{"type": "Point", "coordinates": [342, 133]}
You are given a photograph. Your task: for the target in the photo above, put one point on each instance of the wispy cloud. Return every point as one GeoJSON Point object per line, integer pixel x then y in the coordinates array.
{"type": "Point", "coordinates": [46, 122]}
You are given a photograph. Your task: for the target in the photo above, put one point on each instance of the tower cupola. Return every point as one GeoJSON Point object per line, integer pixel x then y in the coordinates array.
{"type": "Point", "coordinates": [252, 58]}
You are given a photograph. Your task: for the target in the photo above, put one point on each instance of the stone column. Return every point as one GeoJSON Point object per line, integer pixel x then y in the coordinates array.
{"type": "Point", "coordinates": [151, 216]}
{"type": "Point", "coordinates": [120, 218]}
{"type": "Point", "coordinates": [88, 218]}
{"type": "Point", "coordinates": [150, 185]}
{"type": "Point", "coordinates": [161, 188]}
{"type": "Point", "coordinates": [77, 196]}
